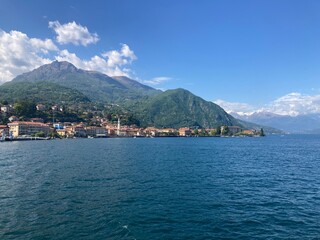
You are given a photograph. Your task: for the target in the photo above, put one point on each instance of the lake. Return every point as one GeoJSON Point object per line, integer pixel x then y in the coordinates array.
{"type": "Point", "coordinates": [161, 188]}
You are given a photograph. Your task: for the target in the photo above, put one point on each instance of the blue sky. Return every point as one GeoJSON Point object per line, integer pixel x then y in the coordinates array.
{"type": "Point", "coordinates": [252, 52]}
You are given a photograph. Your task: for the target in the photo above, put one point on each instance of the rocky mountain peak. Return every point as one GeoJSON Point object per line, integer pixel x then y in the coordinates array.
{"type": "Point", "coordinates": [59, 66]}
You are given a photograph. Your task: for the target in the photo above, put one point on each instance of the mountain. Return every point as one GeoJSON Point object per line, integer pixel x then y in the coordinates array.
{"type": "Point", "coordinates": [291, 124]}
{"type": "Point", "coordinates": [40, 92]}
{"type": "Point", "coordinates": [62, 81]}
{"type": "Point", "coordinates": [266, 129]}
{"type": "Point", "coordinates": [180, 108]}
{"type": "Point", "coordinates": [96, 86]}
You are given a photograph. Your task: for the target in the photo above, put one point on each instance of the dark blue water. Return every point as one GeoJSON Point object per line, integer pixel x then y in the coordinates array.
{"type": "Point", "coordinates": [161, 188]}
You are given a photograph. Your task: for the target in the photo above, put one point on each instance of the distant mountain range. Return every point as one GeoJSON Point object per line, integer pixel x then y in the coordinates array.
{"type": "Point", "coordinates": [309, 123]}
{"type": "Point", "coordinates": [63, 82]}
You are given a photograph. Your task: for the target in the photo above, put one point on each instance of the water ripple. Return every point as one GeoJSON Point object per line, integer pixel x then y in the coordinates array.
{"type": "Point", "coordinates": [168, 188]}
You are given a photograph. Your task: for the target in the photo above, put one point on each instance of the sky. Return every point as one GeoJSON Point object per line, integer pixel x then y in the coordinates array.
{"type": "Point", "coordinates": [244, 55]}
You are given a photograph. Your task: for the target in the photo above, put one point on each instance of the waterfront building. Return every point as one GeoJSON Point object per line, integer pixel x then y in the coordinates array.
{"type": "Point", "coordinates": [151, 131]}
{"type": "Point", "coordinates": [28, 128]}
{"type": "Point", "coordinates": [58, 125]}
{"type": "Point", "coordinates": [79, 131]}
{"type": "Point", "coordinates": [94, 131]}
{"type": "Point", "coordinates": [62, 132]}
{"type": "Point", "coordinates": [249, 132]}
{"type": "Point", "coordinates": [234, 129]}
{"type": "Point", "coordinates": [4, 130]}
{"type": "Point", "coordinates": [184, 132]}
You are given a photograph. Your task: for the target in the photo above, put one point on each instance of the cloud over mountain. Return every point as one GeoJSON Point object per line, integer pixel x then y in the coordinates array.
{"type": "Point", "coordinates": [19, 53]}
{"type": "Point", "coordinates": [292, 104]}
{"type": "Point", "coordinates": [157, 80]}
{"type": "Point", "coordinates": [112, 63]}
{"type": "Point", "coordinates": [240, 108]}
{"type": "Point", "coordinates": [122, 57]}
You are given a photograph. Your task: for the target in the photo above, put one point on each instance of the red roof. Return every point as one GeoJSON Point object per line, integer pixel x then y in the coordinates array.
{"type": "Point", "coordinates": [27, 123]}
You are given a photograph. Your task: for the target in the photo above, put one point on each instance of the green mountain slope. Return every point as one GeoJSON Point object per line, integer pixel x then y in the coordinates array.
{"type": "Point", "coordinates": [180, 108]}
{"type": "Point", "coordinates": [40, 92]}
{"type": "Point", "coordinates": [63, 82]}
{"type": "Point", "coordinates": [96, 86]}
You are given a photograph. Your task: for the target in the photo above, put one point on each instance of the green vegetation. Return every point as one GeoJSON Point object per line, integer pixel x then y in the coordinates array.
{"type": "Point", "coordinates": [225, 131]}
{"type": "Point", "coordinates": [40, 134]}
{"type": "Point", "coordinates": [40, 92]}
{"type": "Point", "coordinates": [25, 109]}
{"type": "Point", "coordinates": [218, 130]}
{"type": "Point", "coordinates": [96, 86]}
{"type": "Point", "coordinates": [91, 96]}
{"type": "Point", "coordinates": [180, 108]}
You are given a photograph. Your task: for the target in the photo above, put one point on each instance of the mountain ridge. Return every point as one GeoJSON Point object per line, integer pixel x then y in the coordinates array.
{"type": "Point", "coordinates": [97, 86]}
{"type": "Point", "coordinates": [172, 108]}
{"type": "Point", "coordinates": [179, 107]}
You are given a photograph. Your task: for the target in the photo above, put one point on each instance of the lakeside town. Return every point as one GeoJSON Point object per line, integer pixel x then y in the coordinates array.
{"type": "Point", "coordinates": [36, 128]}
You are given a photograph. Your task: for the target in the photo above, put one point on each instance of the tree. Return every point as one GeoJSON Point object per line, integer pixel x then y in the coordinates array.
{"type": "Point", "coordinates": [262, 133]}
{"type": "Point", "coordinates": [54, 135]}
{"type": "Point", "coordinates": [109, 117]}
{"type": "Point", "coordinates": [213, 132]}
{"type": "Point", "coordinates": [4, 102]}
{"type": "Point", "coordinates": [225, 130]}
{"type": "Point", "coordinates": [89, 115]}
{"type": "Point", "coordinates": [40, 134]}
{"type": "Point", "coordinates": [25, 109]}
{"type": "Point", "coordinates": [196, 132]}
{"type": "Point", "coordinates": [218, 130]}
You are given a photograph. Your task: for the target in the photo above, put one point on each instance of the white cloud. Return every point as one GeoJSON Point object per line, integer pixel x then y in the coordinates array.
{"type": "Point", "coordinates": [240, 108]}
{"type": "Point", "coordinates": [295, 104]}
{"type": "Point", "coordinates": [156, 80]}
{"type": "Point", "coordinates": [73, 33]}
{"type": "Point", "coordinates": [43, 45]}
{"type": "Point", "coordinates": [112, 63]}
{"type": "Point", "coordinates": [292, 104]}
{"type": "Point", "coordinates": [19, 53]}
{"type": "Point", "coordinates": [118, 58]}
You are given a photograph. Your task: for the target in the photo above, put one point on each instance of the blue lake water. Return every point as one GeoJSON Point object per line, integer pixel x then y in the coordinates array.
{"type": "Point", "coordinates": [161, 188]}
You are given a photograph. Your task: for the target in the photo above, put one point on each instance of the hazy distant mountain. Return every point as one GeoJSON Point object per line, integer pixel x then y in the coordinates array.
{"type": "Point", "coordinates": [95, 85]}
{"type": "Point", "coordinates": [291, 124]}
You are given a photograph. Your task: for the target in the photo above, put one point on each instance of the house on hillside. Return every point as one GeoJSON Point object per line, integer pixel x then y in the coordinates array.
{"type": "Point", "coordinates": [13, 119]}
{"type": "Point", "coordinates": [41, 107]}
{"type": "Point", "coordinates": [6, 109]}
